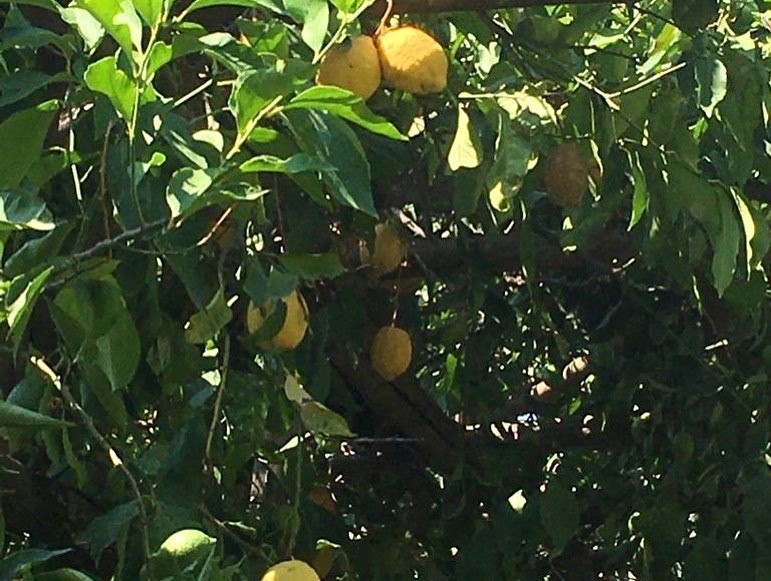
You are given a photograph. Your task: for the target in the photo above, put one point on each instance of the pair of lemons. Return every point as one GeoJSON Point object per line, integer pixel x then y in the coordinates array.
{"type": "Point", "coordinates": [405, 57]}
{"type": "Point", "coordinates": [185, 547]}
{"type": "Point", "coordinates": [391, 350]}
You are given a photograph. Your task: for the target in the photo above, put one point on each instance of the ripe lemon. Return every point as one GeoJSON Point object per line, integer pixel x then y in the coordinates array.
{"type": "Point", "coordinates": [354, 67]}
{"type": "Point", "coordinates": [567, 174]}
{"type": "Point", "coordinates": [390, 250]}
{"type": "Point", "coordinates": [412, 60]}
{"type": "Point", "coordinates": [292, 330]}
{"type": "Point", "coordinates": [391, 352]}
{"type": "Point", "coordinates": [291, 571]}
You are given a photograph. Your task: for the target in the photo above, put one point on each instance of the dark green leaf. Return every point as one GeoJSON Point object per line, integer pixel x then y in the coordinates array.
{"type": "Point", "coordinates": [313, 266]}
{"type": "Point", "coordinates": [559, 514]}
{"type": "Point", "coordinates": [21, 141]}
{"type": "Point", "coordinates": [15, 416]}
{"type": "Point", "coordinates": [333, 142]}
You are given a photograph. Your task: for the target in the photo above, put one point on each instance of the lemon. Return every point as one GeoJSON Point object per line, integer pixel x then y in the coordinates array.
{"type": "Point", "coordinates": [354, 67]}
{"type": "Point", "coordinates": [566, 175]}
{"type": "Point", "coordinates": [293, 328]}
{"type": "Point", "coordinates": [182, 548]}
{"type": "Point", "coordinates": [391, 352]}
{"type": "Point", "coordinates": [291, 571]}
{"type": "Point", "coordinates": [411, 60]}
{"type": "Point", "coordinates": [390, 250]}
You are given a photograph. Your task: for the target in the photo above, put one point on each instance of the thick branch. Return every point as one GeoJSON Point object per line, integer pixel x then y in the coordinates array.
{"type": "Point", "coordinates": [406, 406]}
{"type": "Point", "coordinates": [433, 6]}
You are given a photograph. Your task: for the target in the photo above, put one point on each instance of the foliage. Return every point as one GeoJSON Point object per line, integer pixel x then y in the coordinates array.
{"type": "Point", "coordinates": [588, 394]}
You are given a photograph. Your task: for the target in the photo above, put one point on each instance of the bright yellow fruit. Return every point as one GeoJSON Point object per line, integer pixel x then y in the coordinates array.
{"type": "Point", "coordinates": [295, 322]}
{"type": "Point", "coordinates": [291, 571]}
{"type": "Point", "coordinates": [412, 60]}
{"type": "Point", "coordinates": [390, 250]}
{"type": "Point", "coordinates": [566, 175]}
{"type": "Point", "coordinates": [354, 67]}
{"type": "Point", "coordinates": [391, 352]}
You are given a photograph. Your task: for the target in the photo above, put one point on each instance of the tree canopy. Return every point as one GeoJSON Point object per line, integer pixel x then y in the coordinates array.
{"type": "Point", "coordinates": [215, 269]}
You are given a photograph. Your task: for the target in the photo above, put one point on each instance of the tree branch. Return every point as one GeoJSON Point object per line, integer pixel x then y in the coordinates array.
{"type": "Point", "coordinates": [434, 6]}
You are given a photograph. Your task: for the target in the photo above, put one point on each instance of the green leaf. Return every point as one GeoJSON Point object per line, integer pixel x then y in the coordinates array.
{"type": "Point", "coordinates": [85, 310]}
{"type": "Point", "coordinates": [334, 143]}
{"type": "Point", "coordinates": [295, 164]}
{"type": "Point", "coordinates": [105, 77]}
{"type": "Point", "coordinates": [37, 250]}
{"type": "Point", "coordinates": [119, 19]}
{"type": "Point", "coordinates": [465, 151]}
{"type": "Point", "coordinates": [694, 15]}
{"type": "Point", "coordinates": [559, 514]}
{"type": "Point", "coordinates": [14, 416]}
{"type": "Point", "coordinates": [313, 266]}
{"type": "Point", "coordinates": [88, 27]}
{"type": "Point", "coordinates": [65, 574]}
{"type": "Point", "coordinates": [21, 210]}
{"type": "Point", "coordinates": [160, 54]}
{"type": "Point", "coordinates": [253, 92]}
{"type": "Point", "coordinates": [344, 104]}
{"type": "Point", "coordinates": [725, 244]}
{"type": "Point", "coordinates": [319, 419]}
{"type": "Point", "coordinates": [711, 83]}
{"type": "Point", "coordinates": [22, 135]}
{"type": "Point", "coordinates": [11, 565]}
{"type": "Point", "coordinates": [270, 4]}
{"type": "Point", "coordinates": [151, 11]}
{"type": "Point", "coordinates": [20, 310]}
{"type": "Point", "coordinates": [186, 189]}
{"type": "Point", "coordinates": [19, 84]}
{"type": "Point", "coordinates": [207, 323]}
{"type": "Point", "coordinates": [640, 194]}
{"type": "Point", "coordinates": [350, 6]}
{"type": "Point", "coordinates": [118, 352]}
{"type": "Point", "coordinates": [103, 531]}
{"type": "Point", "coordinates": [314, 16]}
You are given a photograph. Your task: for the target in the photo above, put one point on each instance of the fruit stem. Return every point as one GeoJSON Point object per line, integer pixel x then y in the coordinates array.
{"type": "Point", "coordinates": [384, 18]}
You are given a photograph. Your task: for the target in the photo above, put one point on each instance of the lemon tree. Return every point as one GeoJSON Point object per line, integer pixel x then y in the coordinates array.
{"type": "Point", "coordinates": [354, 289]}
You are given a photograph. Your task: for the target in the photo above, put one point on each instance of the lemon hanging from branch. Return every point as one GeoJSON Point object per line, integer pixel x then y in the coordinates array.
{"type": "Point", "coordinates": [353, 65]}
{"type": "Point", "coordinates": [293, 328]}
{"type": "Point", "coordinates": [291, 571]}
{"type": "Point", "coordinates": [391, 352]}
{"type": "Point", "coordinates": [412, 60]}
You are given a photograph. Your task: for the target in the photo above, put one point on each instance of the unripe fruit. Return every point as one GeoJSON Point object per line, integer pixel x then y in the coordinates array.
{"type": "Point", "coordinates": [293, 328]}
{"type": "Point", "coordinates": [411, 60]}
{"type": "Point", "coordinates": [355, 67]}
{"type": "Point", "coordinates": [181, 549]}
{"type": "Point", "coordinates": [391, 352]}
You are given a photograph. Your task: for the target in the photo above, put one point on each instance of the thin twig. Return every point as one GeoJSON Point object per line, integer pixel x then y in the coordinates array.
{"type": "Point", "coordinates": [208, 465]}
{"type": "Point", "coordinates": [103, 185]}
{"type": "Point", "coordinates": [116, 460]}
{"type": "Point", "coordinates": [237, 539]}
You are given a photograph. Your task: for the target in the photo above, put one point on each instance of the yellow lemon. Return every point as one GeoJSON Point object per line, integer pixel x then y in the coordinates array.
{"type": "Point", "coordinates": [354, 67]}
{"type": "Point", "coordinates": [411, 60]}
{"type": "Point", "coordinates": [391, 352]}
{"type": "Point", "coordinates": [390, 250]}
{"type": "Point", "coordinates": [566, 175]}
{"type": "Point", "coordinates": [292, 330]}
{"type": "Point", "coordinates": [291, 571]}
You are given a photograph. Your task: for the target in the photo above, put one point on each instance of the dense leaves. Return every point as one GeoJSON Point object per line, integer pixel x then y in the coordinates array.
{"type": "Point", "coordinates": [589, 389]}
